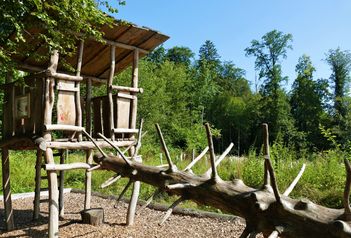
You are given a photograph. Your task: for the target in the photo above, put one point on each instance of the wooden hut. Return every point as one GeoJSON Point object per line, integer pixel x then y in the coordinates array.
{"type": "Point", "coordinates": [48, 113]}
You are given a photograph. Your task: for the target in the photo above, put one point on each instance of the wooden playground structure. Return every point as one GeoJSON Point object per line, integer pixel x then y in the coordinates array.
{"type": "Point", "coordinates": [48, 113]}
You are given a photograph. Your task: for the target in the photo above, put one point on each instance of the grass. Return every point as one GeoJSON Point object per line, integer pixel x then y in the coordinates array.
{"type": "Point", "coordinates": [322, 182]}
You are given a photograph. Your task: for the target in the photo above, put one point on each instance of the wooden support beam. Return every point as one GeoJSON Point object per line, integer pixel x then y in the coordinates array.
{"type": "Point", "coordinates": [77, 86]}
{"type": "Point", "coordinates": [109, 90]}
{"type": "Point", "coordinates": [88, 106]}
{"type": "Point", "coordinates": [38, 162]}
{"type": "Point", "coordinates": [125, 130]}
{"type": "Point", "coordinates": [135, 80]}
{"type": "Point", "coordinates": [64, 76]}
{"type": "Point", "coordinates": [53, 196]}
{"type": "Point", "coordinates": [59, 127]}
{"type": "Point", "coordinates": [85, 145]}
{"type": "Point", "coordinates": [6, 188]}
{"type": "Point", "coordinates": [88, 174]}
{"type": "Point", "coordinates": [62, 167]}
{"type": "Point", "coordinates": [49, 93]}
{"type": "Point", "coordinates": [127, 89]}
{"type": "Point", "coordinates": [63, 157]}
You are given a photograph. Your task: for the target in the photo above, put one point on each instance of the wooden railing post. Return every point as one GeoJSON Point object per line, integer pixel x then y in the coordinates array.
{"type": "Point", "coordinates": [7, 190]}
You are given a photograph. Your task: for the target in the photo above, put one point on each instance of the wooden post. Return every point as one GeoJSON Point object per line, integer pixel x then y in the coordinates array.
{"type": "Point", "coordinates": [88, 107]}
{"type": "Point", "coordinates": [53, 196]}
{"type": "Point", "coordinates": [109, 90]}
{"type": "Point", "coordinates": [6, 187]}
{"type": "Point", "coordinates": [63, 156]}
{"type": "Point", "coordinates": [49, 93]}
{"type": "Point", "coordinates": [87, 199]}
{"type": "Point", "coordinates": [37, 185]}
{"type": "Point", "coordinates": [135, 79]}
{"type": "Point", "coordinates": [77, 84]}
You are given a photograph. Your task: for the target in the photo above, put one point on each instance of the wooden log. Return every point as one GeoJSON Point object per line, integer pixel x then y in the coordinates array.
{"type": "Point", "coordinates": [60, 127]}
{"type": "Point", "coordinates": [61, 183]}
{"type": "Point", "coordinates": [125, 130]}
{"type": "Point", "coordinates": [6, 188]}
{"type": "Point", "coordinates": [85, 145]}
{"type": "Point", "coordinates": [109, 91]}
{"type": "Point", "coordinates": [62, 167]}
{"type": "Point", "coordinates": [40, 142]}
{"type": "Point", "coordinates": [38, 162]}
{"type": "Point", "coordinates": [88, 174]}
{"type": "Point", "coordinates": [127, 89]}
{"type": "Point", "coordinates": [259, 205]}
{"type": "Point", "coordinates": [53, 195]}
{"type": "Point", "coordinates": [88, 106]}
{"type": "Point", "coordinates": [49, 93]}
{"type": "Point", "coordinates": [63, 76]}
{"type": "Point", "coordinates": [93, 216]}
{"type": "Point", "coordinates": [78, 103]}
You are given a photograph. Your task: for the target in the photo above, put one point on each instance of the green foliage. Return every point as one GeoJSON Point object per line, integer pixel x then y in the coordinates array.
{"type": "Point", "coordinates": [57, 21]}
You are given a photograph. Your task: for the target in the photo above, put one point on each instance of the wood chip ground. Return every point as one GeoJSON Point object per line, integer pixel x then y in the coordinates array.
{"type": "Point", "coordinates": [146, 224]}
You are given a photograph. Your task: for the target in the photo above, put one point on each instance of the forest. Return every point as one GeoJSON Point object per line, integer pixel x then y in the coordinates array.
{"type": "Point", "coordinates": [184, 90]}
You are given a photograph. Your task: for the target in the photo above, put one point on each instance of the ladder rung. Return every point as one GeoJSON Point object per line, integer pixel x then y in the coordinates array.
{"type": "Point", "coordinates": [44, 200]}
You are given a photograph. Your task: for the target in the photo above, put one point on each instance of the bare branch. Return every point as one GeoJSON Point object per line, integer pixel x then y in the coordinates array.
{"type": "Point", "coordinates": [178, 186]}
{"type": "Point", "coordinates": [347, 188]}
{"type": "Point", "coordinates": [197, 159]}
{"type": "Point", "coordinates": [170, 209]}
{"type": "Point", "coordinates": [110, 181]}
{"type": "Point", "coordinates": [93, 141]}
{"type": "Point", "coordinates": [296, 180]}
{"type": "Point", "coordinates": [116, 148]}
{"type": "Point", "coordinates": [124, 190]}
{"type": "Point", "coordinates": [220, 158]}
{"type": "Point", "coordinates": [214, 174]}
{"type": "Point", "coordinates": [94, 168]}
{"type": "Point", "coordinates": [269, 172]}
{"type": "Point", "coordinates": [165, 149]}
{"type": "Point", "coordinates": [149, 200]}
{"type": "Point", "coordinates": [266, 153]}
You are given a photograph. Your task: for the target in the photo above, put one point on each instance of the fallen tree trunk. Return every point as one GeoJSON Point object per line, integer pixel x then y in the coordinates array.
{"type": "Point", "coordinates": [265, 210]}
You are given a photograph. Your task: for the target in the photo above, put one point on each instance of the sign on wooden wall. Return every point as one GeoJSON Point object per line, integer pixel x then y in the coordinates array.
{"type": "Point", "coordinates": [22, 104]}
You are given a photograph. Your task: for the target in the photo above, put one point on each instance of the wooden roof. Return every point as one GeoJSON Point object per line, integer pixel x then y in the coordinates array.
{"type": "Point", "coordinates": [96, 57]}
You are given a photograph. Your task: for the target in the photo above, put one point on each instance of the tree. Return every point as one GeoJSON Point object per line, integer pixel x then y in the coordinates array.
{"type": "Point", "coordinates": [208, 56]}
{"type": "Point", "coordinates": [157, 56]}
{"type": "Point", "coordinates": [232, 80]}
{"type": "Point", "coordinates": [306, 102]}
{"type": "Point", "coordinates": [180, 55]}
{"type": "Point", "coordinates": [340, 64]}
{"type": "Point", "coordinates": [58, 21]}
{"type": "Point", "coordinates": [275, 109]}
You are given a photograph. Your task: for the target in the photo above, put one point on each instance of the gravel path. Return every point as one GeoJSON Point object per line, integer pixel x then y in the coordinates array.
{"type": "Point", "coordinates": [146, 224]}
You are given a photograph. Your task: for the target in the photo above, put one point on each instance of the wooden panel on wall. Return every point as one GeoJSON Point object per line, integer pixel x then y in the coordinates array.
{"type": "Point", "coordinates": [66, 107]}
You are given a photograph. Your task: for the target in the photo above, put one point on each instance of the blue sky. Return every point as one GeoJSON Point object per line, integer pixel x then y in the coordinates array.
{"type": "Point", "coordinates": [316, 26]}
